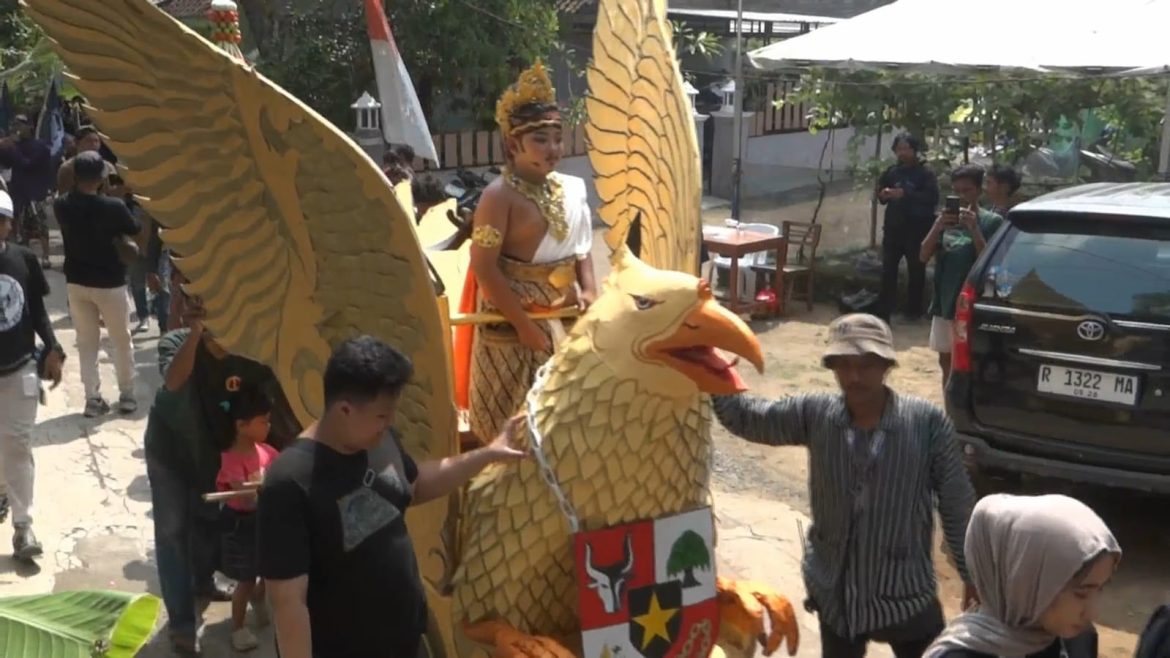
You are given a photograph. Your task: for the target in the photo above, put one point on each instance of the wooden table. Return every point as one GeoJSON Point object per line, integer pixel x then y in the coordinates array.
{"type": "Point", "coordinates": [735, 244]}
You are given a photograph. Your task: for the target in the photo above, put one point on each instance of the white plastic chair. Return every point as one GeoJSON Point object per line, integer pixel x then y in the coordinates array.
{"type": "Point", "coordinates": [747, 276]}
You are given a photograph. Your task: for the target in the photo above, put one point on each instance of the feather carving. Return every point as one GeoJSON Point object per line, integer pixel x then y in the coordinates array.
{"type": "Point", "coordinates": [641, 133]}
{"type": "Point", "coordinates": [286, 229]}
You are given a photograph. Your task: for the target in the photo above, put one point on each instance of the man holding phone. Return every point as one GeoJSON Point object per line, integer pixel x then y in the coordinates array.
{"type": "Point", "coordinates": [957, 238]}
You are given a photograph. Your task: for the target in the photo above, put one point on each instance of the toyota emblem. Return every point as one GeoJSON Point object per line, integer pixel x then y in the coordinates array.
{"type": "Point", "coordinates": [1091, 330]}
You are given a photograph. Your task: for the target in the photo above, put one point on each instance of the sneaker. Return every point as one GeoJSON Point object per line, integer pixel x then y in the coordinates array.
{"type": "Point", "coordinates": [127, 404]}
{"type": "Point", "coordinates": [216, 592]}
{"type": "Point", "coordinates": [260, 612]}
{"type": "Point", "coordinates": [244, 640]}
{"type": "Point", "coordinates": [95, 407]}
{"type": "Point", "coordinates": [25, 545]}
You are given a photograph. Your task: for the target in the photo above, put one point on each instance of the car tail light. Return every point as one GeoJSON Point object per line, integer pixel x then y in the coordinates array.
{"type": "Point", "coordinates": [961, 328]}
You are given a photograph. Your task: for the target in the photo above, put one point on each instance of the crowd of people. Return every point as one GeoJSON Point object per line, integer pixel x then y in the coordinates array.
{"type": "Point", "coordinates": [101, 237]}
{"type": "Point", "coordinates": [915, 231]}
{"type": "Point", "coordinates": [318, 531]}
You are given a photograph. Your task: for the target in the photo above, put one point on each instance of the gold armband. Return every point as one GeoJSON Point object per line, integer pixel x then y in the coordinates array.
{"type": "Point", "coordinates": [487, 237]}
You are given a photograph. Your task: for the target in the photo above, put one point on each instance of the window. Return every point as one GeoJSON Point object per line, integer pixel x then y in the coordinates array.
{"type": "Point", "coordinates": [1082, 264]}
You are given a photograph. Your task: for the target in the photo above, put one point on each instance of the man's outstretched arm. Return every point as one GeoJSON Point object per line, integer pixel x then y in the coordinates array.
{"type": "Point", "coordinates": [759, 420]}
{"type": "Point", "coordinates": [440, 477]}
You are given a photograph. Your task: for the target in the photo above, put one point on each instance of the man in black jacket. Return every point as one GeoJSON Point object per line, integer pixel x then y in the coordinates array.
{"type": "Point", "coordinates": [909, 191]}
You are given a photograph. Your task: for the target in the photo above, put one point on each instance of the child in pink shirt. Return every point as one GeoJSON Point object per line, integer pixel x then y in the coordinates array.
{"type": "Point", "coordinates": [242, 469]}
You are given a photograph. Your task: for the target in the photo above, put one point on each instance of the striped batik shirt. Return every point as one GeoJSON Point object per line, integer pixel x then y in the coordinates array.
{"type": "Point", "coordinates": [868, 561]}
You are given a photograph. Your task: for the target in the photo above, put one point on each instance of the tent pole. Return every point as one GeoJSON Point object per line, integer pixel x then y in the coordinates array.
{"type": "Point", "coordinates": [873, 204]}
{"type": "Point", "coordinates": [1164, 152]}
{"type": "Point", "coordinates": [737, 127]}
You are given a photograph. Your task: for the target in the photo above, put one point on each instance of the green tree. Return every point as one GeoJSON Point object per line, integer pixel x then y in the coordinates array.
{"type": "Point", "coordinates": [1009, 114]}
{"type": "Point", "coordinates": [323, 58]}
{"type": "Point", "coordinates": [461, 54]}
{"type": "Point", "coordinates": [27, 62]}
{"type": "Point", "coordinates": [688, 553]}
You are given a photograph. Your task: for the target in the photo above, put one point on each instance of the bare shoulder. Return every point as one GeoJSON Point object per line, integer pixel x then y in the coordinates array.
{"type": "Point", "coordinates": [496, 190]}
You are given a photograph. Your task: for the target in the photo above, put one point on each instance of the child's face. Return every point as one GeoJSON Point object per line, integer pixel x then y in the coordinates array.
{"type": "Point", "coordinates": [254, 430]}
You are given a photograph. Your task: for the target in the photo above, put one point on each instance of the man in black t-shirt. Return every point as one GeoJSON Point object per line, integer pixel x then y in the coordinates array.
{"type": "Point", "coordinates": [95, 275]}
{"type": "Point", "coordinates": [334, 547]}
{"type": "Point", "coordinates": [23, 316]}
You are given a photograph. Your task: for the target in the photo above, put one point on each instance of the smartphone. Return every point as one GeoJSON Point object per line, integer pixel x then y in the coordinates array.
{"type": "Point", "coordinates": [953, 205]}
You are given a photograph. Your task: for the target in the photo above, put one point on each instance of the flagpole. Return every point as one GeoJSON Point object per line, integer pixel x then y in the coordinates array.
{"type": "Point", "coordinates": [737, 124]}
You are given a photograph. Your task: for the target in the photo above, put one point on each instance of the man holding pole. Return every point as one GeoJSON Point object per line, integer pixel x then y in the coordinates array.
{"type": "Point", "coordinates": [530, 254]}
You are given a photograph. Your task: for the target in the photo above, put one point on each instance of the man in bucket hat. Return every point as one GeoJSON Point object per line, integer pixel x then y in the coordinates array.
{"type": "Point", "coordinates": [878, 460]}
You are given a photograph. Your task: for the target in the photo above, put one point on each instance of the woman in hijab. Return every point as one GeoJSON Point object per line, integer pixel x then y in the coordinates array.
{"type": "Point", "coordinates": [1039, 564]}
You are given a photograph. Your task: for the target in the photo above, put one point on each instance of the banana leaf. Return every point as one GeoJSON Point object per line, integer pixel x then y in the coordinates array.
{"type": "Point", "coordinates": [83, 624]}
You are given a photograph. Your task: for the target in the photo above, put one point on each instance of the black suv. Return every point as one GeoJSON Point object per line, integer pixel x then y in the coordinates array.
{"type": "Point", "coordinates": [1061, 357]}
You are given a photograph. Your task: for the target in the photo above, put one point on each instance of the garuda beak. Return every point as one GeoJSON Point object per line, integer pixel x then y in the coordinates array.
{"type": "Point", "coordinates": [692, 348]}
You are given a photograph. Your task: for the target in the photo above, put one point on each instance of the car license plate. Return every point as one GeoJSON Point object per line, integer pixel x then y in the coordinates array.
{"type": "Point", "coordinates": [1088, 384]}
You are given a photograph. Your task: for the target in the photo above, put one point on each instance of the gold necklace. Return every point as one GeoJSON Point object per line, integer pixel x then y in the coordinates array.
{"type": "Point", "coordinates": [549, 198]}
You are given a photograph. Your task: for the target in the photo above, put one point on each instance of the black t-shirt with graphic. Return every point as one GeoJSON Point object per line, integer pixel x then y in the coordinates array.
{"type": "Point", "coordinates": [22, 302]}
{"type": "Point", "coordinates": [340, 520]}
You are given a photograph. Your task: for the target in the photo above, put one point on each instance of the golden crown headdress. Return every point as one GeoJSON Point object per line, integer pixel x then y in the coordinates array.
{"type": "Point", "coordinates": [533, 86]}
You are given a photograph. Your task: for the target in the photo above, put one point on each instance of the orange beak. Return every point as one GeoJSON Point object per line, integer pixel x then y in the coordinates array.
{"type": "Point", "coordinates": [691, 349]}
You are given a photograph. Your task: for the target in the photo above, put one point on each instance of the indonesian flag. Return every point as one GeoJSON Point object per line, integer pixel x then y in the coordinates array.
{"type": "Point", "coordinates": [402, 117]}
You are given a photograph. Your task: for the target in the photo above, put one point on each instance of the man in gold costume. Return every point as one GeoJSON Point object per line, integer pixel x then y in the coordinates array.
{"type": "Point", "coordinates": [531, 242]}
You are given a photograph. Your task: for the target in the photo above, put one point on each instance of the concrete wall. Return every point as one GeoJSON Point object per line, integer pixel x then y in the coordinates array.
{"type": "Point", "coordinates": [780, 183]}
{"type": "Point", "coordinates": [803, 149]}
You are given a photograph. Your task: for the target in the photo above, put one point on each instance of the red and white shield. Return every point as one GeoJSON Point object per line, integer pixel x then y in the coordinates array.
{"type": "Point", "coordinates": [648, 588]}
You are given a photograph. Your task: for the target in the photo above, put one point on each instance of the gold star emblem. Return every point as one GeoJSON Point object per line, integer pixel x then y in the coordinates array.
{"type": "Point", "coordinates": [654, 622]}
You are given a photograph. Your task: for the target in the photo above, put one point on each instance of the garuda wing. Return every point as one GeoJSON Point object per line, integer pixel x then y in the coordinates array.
{"type": "Point", "coordinates": [288, 231]}
{"type": "Point", "coordinates": [641, 135]}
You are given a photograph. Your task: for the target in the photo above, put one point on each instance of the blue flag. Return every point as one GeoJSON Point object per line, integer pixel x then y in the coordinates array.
{"type": "Point", "coordinates": [5, 109]}
{"type": "Point", "coordinates": [51, 125]}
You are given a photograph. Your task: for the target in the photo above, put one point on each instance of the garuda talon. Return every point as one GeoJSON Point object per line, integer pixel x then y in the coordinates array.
{"type": "Point", "coordinates": [294, 240]}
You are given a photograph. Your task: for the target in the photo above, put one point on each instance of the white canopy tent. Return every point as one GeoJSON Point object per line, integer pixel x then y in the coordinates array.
{"type": "Point", "coordinates": [1082, 38]}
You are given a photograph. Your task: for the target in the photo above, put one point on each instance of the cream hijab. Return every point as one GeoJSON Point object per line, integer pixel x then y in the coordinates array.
{"type": "Point", "coordinates": [1021, 552]}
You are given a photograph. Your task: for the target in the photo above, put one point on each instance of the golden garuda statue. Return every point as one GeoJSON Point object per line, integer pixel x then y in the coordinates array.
{"type": "Point", "coordinates": [600, 545]}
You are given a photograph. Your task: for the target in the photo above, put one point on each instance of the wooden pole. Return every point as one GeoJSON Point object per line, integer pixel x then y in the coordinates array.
{"type": "Point", "coordinates": [460, 319]}
{"type": "Point", "coordinates": [873, 203]}
{"type": "Point", "coordinates": [220, 496]}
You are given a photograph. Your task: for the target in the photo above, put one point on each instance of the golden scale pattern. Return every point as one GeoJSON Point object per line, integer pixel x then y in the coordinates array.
{"type": "Point", "coordinates": [518, 560]}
